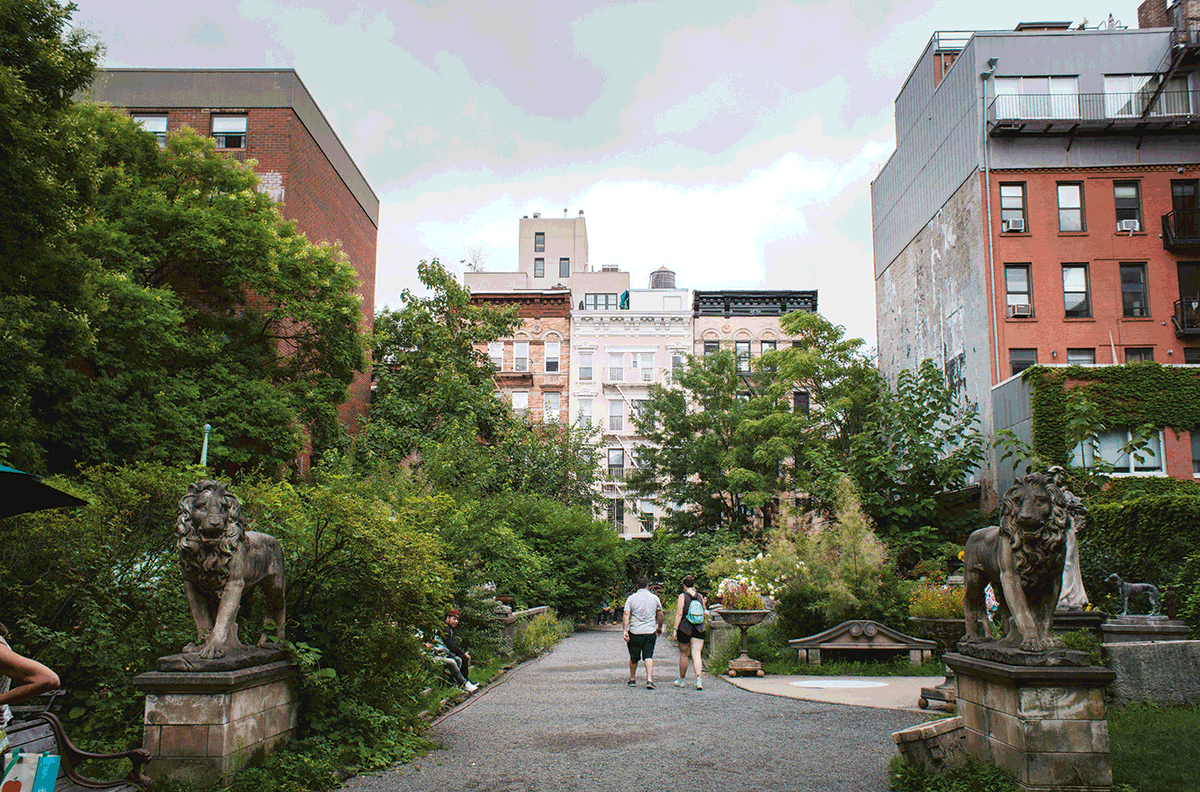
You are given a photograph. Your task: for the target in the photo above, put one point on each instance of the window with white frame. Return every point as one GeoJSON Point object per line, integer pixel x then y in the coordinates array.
{"type": "Point", "coordinates": [583, 414]}
{"type": "Point", "coordinates": [520, 402]}
{"type": "Point", "coordinates": [765, 347]}
{"type": "Point", "coordinates": [1070, 206]}
{"type": "Point", "coordinates": [1114, 447]}
{"type": "Point", "coordinates": [155, 125]}
{"type": "Point", "coordinates": [521, 356]}
{"type": "Point", "coordinates": [553, 349]}
{"type": "Point", "coordinates": [616, 415]}
{"type": "Point", "coordinates": [643, 362]}
{"type": "Point", "coordinates": [550, 406]}
{"type": "Point", "coordinates": [1037, 97]}
{"type": "Point", "coordinates": [742, 350]}
{"type": "Point", "coordinates": [496, 354]}
{"type": "Point", "coordinates": [1081, 356]}
{"type": "Point", "coordinates": [616, 366]}
{"type": "Point", "coordinates": [1128, 95]}
{"type": "Point", "coordinates": [600, 301]}
{"type": "Point", "coordinates": [616, 463]}
{"type": "Point", "coordinates": [229, 131]}
{"type": "Point", "coordinates": [646, 515]}
{"type": "Point", "coordinates": [677, 361]}
{"type": "Point", "coordinates": [585, 366]}
{"type": "Point", "coordinates": [1127, 197]}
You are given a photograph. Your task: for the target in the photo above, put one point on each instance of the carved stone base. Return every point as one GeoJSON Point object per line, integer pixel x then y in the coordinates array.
{"type": "Point", "coordinates": [1072, 620]}
{"type": "Point", "coordinates": [1138, 629]}
{"type": "Point", "coordinates": [202, 726]}
{"type": "Point", "coordinates": [241, 657]}
{"type": "Point", "coordinates": [996, 652]}
{"type": "Point", "coordinates": [1044, 725]}
{"type": "Point", "coordinates": [745, 666]}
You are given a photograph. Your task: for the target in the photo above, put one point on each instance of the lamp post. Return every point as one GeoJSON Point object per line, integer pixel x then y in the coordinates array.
{"type": "Point", "coordinates": [204, 448]}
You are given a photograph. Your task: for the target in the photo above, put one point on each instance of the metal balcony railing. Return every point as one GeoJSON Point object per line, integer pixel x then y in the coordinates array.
{"type": "Point", "coordinates": [1187, 317]}
{"type": "Point", "coordinates": [616, 473]}
{"type": "Point", "coordinates": [1181, 229]}
{"type": "Point", "coordinates": [1060, 112]}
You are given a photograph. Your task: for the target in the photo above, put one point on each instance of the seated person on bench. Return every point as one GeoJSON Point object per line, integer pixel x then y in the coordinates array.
{"type": "Point", "coordinates": [439, 653]}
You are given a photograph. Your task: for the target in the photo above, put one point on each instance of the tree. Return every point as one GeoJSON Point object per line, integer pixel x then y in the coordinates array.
{"type": "Point", "coordinates": [920, 442]}
{"type": "Point", "coordinates": [475, 259]}
{"type": "Point", "coordinates": [207, 307]}
{"type": "Point", "coordinates": [432, 376]}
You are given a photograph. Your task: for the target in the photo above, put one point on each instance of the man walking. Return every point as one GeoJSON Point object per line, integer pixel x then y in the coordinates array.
{"type": "Point", "coordinates": [642, 624]}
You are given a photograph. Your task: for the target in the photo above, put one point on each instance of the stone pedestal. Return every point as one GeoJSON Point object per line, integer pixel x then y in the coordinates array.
{"type": "Point", "coordinates": [1139, 629]}
{"type": "Point", "coordinates": [1044, 725]}
{"type": "Point", "coordinates": [1071, 620]}
{"type": "Point", "coordinates": [202, 726]}
{"type": "Point", "coordinates": [1162, 672]}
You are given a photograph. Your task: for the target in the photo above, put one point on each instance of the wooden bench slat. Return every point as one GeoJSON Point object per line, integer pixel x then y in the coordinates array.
{"type": "Point", "coordinates": [37, 736]}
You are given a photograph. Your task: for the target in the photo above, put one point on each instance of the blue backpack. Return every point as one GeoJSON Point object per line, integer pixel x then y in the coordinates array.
{"type": "Point", "coordinates": [695, 612]}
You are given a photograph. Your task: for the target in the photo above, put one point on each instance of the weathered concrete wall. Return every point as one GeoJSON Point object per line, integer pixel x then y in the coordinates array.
{"type": "Point", "coordinates": [1164, 672]}
{"type": "Point", "coordinates": [932, 302]}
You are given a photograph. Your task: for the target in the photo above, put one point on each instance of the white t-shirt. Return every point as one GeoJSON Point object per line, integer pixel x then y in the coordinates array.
{"type": "Point", "coordinates": [643, 608]}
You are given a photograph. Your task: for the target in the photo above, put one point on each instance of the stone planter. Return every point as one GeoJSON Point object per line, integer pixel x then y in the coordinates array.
{"type": "Point", "coordinates": [744, 620]}
{"type": "Point", "coordinates": [947, 633]}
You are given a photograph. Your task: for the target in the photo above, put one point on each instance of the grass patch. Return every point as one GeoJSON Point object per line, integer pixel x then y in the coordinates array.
{"type": "Point", "coordinates": [1154, 747]}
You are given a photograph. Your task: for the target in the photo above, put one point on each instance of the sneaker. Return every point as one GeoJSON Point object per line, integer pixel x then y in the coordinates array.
{"type": "Point", "coordinates": [698, 685]}
{"type": "Point", "coordinates": [650, 685]}
{"type": "Point", "coordinates": [631, 682]}
{"type": "Point", "coordinates": [678, 682]}
{"type": "Point", "coordinates": [471, 687]}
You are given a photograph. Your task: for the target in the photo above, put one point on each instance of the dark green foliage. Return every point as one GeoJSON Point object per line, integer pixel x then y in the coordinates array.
{"type": "Point", "coordinates": [972, 777]}
{"type": "Point", "coordinates": [1153, 747]}
{"type": "Point", "coordinates": [688, 555]}
{"type": "Point", "coordinates": [1187, 590]}
{"type": "Point", "coordinates": [802, 612]}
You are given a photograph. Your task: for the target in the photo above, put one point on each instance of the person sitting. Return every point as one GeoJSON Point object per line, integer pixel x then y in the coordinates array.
{"type": "Point", "coordinates": [20, 678]}
{"type": "Point", "coordinates": [460, 655]}
{"type": "Point", "coordinates": [438, 653]}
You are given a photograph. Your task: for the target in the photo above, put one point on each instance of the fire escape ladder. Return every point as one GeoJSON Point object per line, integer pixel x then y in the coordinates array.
{"type": "Point", "coordinates": [1170, 62]}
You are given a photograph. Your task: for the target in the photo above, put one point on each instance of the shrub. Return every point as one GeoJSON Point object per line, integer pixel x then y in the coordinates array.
{"type": "Point", "coordinates": [971, 777]}
{"type": "Point", "coordinates": [739, 595]}
{"type": "Point", "coordinates": [540, 634]}
{"type": "Point", "coordinates": [932, 601]}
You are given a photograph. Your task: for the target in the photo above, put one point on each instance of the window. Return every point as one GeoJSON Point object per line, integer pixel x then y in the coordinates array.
{"type": "Point", "coordinates": [1012, 207]}
{"type": "Point", "coordinates": [1037, 97]}
{"type": "Point", "coordinates": [616, 366]}
{"type": "Point", "coordinates": [520, 402]}
{"type": "Point", "coordinates": [496, 354]}
{"type": "Point", "coordinates": [638, 406]}
{"type": "Point", "coordinates": [1196, 452]}
{"type": "Point", "coordinates": [1128, 198]}
{"type": "Point", "coordinates": [1081, 357]}
{"type": "Point", "coordinates": [539, 268]}
{"type": "Point", "coordinates": [800, 401]}
{"type": "Point", "coordinates": [616, 415]}
{"type": "Point", "coordinates": [521, 356]}
{"type": "Point", "coordinates": [553, 349]}
{"type": "Point", "coordinates": [1075, 290]}
{"type": "Point", "coordinates": [1133, 289]}
{"type": "Point", "coordinates": [616, 463]}
{"type": "Point", "coordinates": [676, 363]}
{"type": "Point", "coordinates": [1113, 447]}
{"type": "Point", "coordinates": [643, 362]}
{"type": "Point", "coordinates": [1139, 354]}
{"type": "Point", "coordinates": [600, 302]}
{"type": "Point", "coordinates": [155, 125]}
{"type": "Point", "coordinates": [229, 131]}
{"type": "Point", "coordinates": [539, 242]}
{"type": "Point", "coordinates": [712, 347]}
{"type": "Point", "coordinates": [646, 516]}
{"type": "Point", "coordinates": [1191, 355]}
{"type": "Point", "coordinates": [1070, 206]}
{"type": "Point", "coordinates": [1128, 95]}
{"type": "Point", "coordinates": [1021, 359]}
{"type": "Point", "coordinates": [551, 402]}
{"type": "Point", "coordinates": [741, 349]}
{"type": "Point", "coordinates": [764, 348]}
{"type": "Point", "coordinates": [616, 512]}
{"type": "Point", "coordinates": [584, 415]}
{"type": "Point", "coordinates": [1018, 292]}
{"type": "Point", "coordinates": [585, 366]}
{"type": "Point", "coordinates": [564, 268]}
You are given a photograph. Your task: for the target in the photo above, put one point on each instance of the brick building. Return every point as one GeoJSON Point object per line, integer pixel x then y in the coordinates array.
{"type": "Point", "coordinates": [267, 115]}
{"type": "Point", "coordinates": [1040, 208]}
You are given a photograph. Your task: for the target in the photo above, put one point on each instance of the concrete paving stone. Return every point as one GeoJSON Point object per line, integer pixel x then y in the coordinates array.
{"type": "Point", "coordinates": [567, 721]}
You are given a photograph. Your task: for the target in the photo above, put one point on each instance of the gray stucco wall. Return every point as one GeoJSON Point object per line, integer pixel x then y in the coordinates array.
{"type": "Point", "coordinates": [1011, 411]}
{"type": "Point", "coordinates": [932, 301]}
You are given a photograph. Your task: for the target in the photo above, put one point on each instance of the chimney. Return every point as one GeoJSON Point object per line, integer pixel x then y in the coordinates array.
{"type": "Point", "coordinates": [1153, 14]}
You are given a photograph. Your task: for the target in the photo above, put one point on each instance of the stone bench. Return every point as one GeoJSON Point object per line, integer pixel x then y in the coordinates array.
{"type": "Point", "coordinates": [862, 635]}
{"type": "Point", "coordinates": [44, 732]}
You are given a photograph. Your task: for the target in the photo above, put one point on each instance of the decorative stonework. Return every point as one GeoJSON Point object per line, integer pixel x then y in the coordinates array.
{"type": "Point", "coordinates": [862, 634]}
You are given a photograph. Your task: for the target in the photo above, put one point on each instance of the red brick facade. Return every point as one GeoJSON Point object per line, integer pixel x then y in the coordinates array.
{"type": "Point", "coordinates": [546, 320]}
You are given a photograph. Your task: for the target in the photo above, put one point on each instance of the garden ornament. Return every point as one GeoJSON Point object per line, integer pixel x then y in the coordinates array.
{"type": "Point", "coordinates": [1124, 589]}
{"type": "Point", "coordinates": [1072, 597]}
{"type": "Point", "coordinates": [222, 565]}
{"type": "Point", "coordinates": [1022, 558]}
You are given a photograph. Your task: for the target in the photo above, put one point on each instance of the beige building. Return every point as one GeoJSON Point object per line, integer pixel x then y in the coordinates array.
{"type": "Point", "coordinates": [745, 322]}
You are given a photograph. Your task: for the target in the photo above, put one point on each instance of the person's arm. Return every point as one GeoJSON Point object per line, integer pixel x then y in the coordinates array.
{"type": "Point", "coordinates": [625, 621]}
{"type": "Point", "coordinates": [660, 618]}
{"type": "Point", "coordinates": [29, 677]}
{"type": "Point", "coordinates": [678, 612]}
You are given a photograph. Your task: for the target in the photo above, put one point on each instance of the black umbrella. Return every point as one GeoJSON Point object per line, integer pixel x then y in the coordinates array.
{"type": "Point", "coordinates": [21, 492]}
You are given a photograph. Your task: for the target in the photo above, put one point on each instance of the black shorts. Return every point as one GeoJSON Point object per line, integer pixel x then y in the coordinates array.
{"type": "Point", "coordinates": [641, 646]}
{"type": "Point", "coordinates": [686, 638]}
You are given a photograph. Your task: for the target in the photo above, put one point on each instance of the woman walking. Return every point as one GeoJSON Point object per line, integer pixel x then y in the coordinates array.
{"type": "Point", "coordinates": [689, 630]}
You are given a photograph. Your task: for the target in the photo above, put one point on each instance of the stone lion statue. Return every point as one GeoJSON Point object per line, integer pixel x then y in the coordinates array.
{"type": "Point", "coordinates": [222, 565]}
{"type": "Point", "coordinates": [1022, 558]}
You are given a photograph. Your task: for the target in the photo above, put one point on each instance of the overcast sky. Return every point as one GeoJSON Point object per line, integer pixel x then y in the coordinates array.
{"type": "Point", "coordinates": [733, 142]}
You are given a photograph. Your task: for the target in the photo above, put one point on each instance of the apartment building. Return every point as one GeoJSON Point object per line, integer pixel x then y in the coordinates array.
{"type": "Point", "coordinates": [533, 367]}
{"type": "Point", "coordinates": [268, 116]}
{"type": "Point", "coordinates": [1040, 208]}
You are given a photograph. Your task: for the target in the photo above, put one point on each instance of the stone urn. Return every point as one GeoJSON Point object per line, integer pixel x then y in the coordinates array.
{"type": "Point", "coordinates": [744, 620]}
{"type": "Point", "coordinates": [947, 633]}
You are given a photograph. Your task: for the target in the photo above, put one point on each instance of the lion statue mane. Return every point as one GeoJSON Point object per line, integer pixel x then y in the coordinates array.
{"type": "Point", "coordinates": [1022, 558]}
{"type": "Point", "coordinates": [222, 565]}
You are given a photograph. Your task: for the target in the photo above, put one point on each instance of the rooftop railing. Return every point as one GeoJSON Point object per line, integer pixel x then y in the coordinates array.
{"type": "Point", "coordinates": [1111, 110]}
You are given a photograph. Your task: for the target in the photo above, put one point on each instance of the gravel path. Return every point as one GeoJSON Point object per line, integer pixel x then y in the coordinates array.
{"type": "Point", "coordinates": [567, 721]}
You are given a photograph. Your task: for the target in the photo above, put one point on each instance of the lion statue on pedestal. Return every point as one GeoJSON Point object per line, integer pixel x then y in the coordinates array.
{"type": "Point", "coordinates": [222, 565]}
{"type": "Point", "coordinates": [1022, 558]}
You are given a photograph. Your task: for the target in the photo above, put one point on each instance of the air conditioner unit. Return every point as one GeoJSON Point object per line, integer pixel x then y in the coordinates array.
{"type": "Point", "coordinates": [1020, 311]}
{"type": "Point", "coordinates": [1127, 225]}
{"type": "Point", "coordinates": [1016, 224]}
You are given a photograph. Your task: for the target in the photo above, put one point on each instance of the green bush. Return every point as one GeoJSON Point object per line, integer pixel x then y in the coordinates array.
{"type": "Point", "coordinates": [971, 777]}
{"type": "Point", "coordinates": [539, 634]}
{"type": "Point", "coordinates": [1187, 589]}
